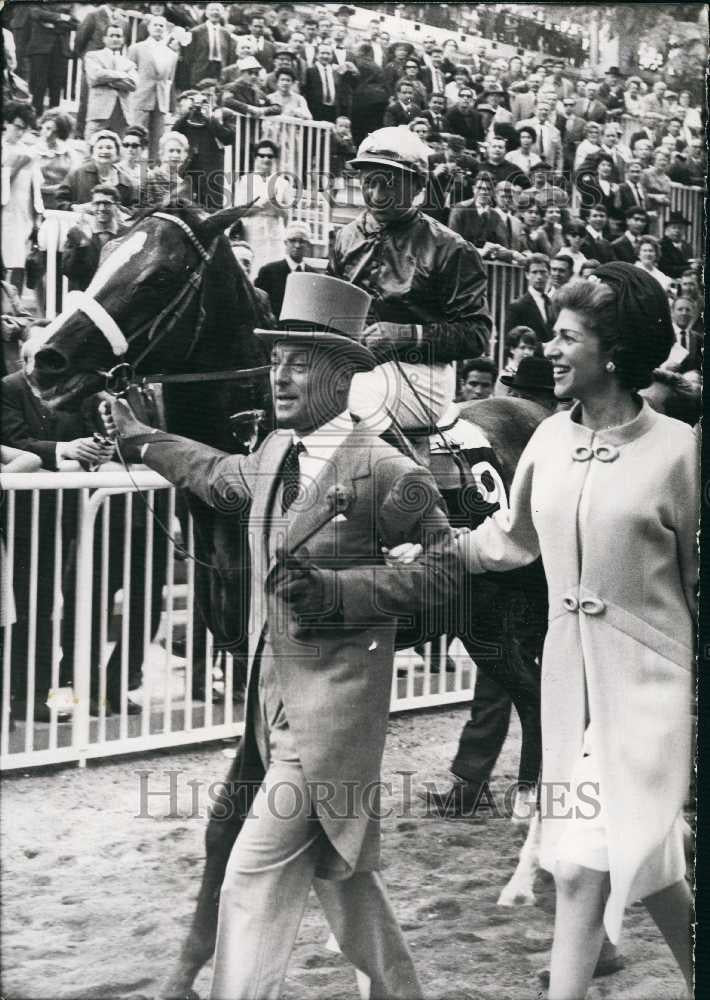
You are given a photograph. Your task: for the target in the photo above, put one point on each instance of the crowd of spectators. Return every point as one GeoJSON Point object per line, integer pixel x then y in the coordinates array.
{"type": "Point", "coordinates": [528, 161]}
{"type": "Point", "coordinates": [527, 158]}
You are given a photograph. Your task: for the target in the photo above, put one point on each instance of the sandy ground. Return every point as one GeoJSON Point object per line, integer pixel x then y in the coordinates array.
{"type": "Point", "coordinates": [97, 899]}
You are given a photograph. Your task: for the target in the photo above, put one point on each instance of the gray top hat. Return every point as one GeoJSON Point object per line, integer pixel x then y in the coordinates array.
{"type": "Point", "coordinates": [320, 310]}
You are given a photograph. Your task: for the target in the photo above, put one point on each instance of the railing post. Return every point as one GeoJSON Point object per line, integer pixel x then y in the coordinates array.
{"type": "Point", "coordinates": [82, 629]}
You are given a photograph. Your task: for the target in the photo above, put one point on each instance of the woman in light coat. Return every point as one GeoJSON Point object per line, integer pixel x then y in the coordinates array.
{"type": "Point", "coordinates": [21, 196]}
{"type": "Point", "coordinates": [288, 137]}
{"type": "Point", "coordinates": [607, 493]}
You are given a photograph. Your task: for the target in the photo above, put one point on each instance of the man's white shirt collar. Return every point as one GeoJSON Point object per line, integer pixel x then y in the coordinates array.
{"type": "Point", "coordinates": [322, 443]}
{"type": "Point", "coordinates": [539, 300]}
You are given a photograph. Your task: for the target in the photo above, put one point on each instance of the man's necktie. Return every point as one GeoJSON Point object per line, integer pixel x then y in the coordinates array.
{"type": "Point", "coordinates": [214, 44]}
{"type": "Point", "coordinates": [327, 87]}
{"type": "Point", "coordinates": [509, 231]}
{"type": "Point", "coordinates": [684, 339]}
{"type": "Point", "coordinates": [291, 476]}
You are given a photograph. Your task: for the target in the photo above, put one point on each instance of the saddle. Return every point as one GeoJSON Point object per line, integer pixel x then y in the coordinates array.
{"type": "Point", "coordinates": [463, 463]}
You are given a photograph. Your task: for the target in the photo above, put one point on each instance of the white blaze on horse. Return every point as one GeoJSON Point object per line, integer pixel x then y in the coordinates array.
{"type": "Point", "coordinates": [170, 298]}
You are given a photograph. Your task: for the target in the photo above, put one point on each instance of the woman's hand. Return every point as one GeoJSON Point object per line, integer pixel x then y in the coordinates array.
{"type": "Point", "coordinates": [87, 451]}
{"type": "Point", "coordinates": [402, 555]}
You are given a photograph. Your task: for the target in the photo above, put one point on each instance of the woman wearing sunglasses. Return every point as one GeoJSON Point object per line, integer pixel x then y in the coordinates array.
{"type": "Point", "coordinates": [264, 225]}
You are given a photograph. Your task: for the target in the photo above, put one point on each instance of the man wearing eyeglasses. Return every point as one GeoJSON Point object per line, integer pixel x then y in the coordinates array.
{"type": "Point", "coordinates": [84, 243]}
{"type": "Point", "coordinates": [427, 284]}
{"type": "Point", "coordinates": [272, 276]}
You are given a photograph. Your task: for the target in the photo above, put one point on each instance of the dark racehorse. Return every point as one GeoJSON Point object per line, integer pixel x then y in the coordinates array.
{"type": "Point", "coordinates": [181, 303]}
{"type": "Point", "coordinates": [184, 304]}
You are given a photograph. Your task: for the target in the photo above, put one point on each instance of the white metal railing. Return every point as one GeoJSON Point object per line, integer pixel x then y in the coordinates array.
{"type": "Point", "coordinates": [90, 557]}
{"type": "Point", "coordinates": [304, 163]}
{"type": "Point", "coordinates": [690, 201]}
{"type": "Point", "coordinates": [505, 283]}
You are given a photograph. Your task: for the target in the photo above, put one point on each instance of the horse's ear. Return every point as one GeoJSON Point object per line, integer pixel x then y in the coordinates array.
{"type": "Point", "coordinates": [215, 224]}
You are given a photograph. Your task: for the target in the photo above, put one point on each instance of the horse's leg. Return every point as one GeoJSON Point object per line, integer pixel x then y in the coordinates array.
{"type": "Point", "coordinates": [225, 822]}
{"type": "Point", "coordinates": [519, 891]}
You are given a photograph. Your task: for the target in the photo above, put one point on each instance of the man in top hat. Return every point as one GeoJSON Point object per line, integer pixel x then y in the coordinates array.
{"type": "Point", "coordinates": [428, 286]}
{"type": "Point", "coordinates": [272, 276]}
{"type": "Point", "coordinates": [533, 380]}
{"type": "Point", "coordinates": [676, 253]}
{"type": "Point", "coordinates": [327, 495]}
{"type": "Point", "coordinates": [611, 92]}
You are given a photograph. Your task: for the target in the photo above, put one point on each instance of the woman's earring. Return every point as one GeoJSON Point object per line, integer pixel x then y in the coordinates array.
{"type": "Point", "coordinates": [610, 367]}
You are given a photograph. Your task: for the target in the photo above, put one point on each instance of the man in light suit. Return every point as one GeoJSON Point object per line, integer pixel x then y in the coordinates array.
{"type": "Point", "coordinates": [156, 69]}
{"type": "Point", "coordinates": [211, 47]}
{"type": "Point", "coordinates": [89, 37]}
{"type": "Point", "coordinates": [111, 77]}
{"type": "Point", "coordinates": [321, 645]}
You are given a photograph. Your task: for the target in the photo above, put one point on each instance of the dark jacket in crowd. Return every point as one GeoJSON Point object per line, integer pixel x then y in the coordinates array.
{"type": "Point", "coordinates": [272, 280]}
{"type": "Point", "coordinates": [478, 227]}
{"type": "Point", "coordinates": [469, 124]}
{"type": "Point", "coordinates": [47, 24]}
{"type": "Point", "coordinates": [31, 426]}
{"type": "Point", "coordinates": [674, 260]}
{"type": "Point", "coordinates": [599, 249]}
{"type": "Point", "coordinates": [77, 186]}
{"type": "Point", "coordinates": [81, 256]}
{"type": "Point", "coordinates": [419, 273]}
{"type": "Point", "coordinates": [207, 138]}
{"type": "Point", "coordinates": [624, 250]}
{"type": "Point", "coordinates": [524, 312]}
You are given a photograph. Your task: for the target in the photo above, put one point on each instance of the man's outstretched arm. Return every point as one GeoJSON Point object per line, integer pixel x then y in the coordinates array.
{"type": "Point", "coordinates": [219, 479]}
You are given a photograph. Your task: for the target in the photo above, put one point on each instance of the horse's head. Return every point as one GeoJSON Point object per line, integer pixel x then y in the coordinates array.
{"type": "Point", "coordinates": [147, 304]}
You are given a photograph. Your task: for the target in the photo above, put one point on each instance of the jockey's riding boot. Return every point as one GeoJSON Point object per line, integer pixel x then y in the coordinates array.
{"type": "Point", "coordinates": [460, 800]}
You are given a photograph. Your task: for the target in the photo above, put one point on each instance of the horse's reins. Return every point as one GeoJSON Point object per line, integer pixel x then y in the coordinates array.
{"type": "Point", "coordinates": [122, 375]}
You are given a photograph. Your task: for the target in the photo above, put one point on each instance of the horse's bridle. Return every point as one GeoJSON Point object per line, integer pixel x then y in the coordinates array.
{"type": "Point", "coordinates": [123, 375]}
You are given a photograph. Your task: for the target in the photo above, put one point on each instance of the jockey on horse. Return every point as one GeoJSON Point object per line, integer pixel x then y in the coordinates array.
{"type": "Point", "coordinates": [427, 283]}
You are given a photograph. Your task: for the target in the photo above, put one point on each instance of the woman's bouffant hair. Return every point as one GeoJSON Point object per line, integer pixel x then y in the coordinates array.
{"type": "Point", "coordinates": [620, 305]}
{"type": "Point", "coordinates": [521, 335]}
{"type": "Point", "coordinates": [63, 124]}
{"type": "Point", "coordinates": [18, 109]}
